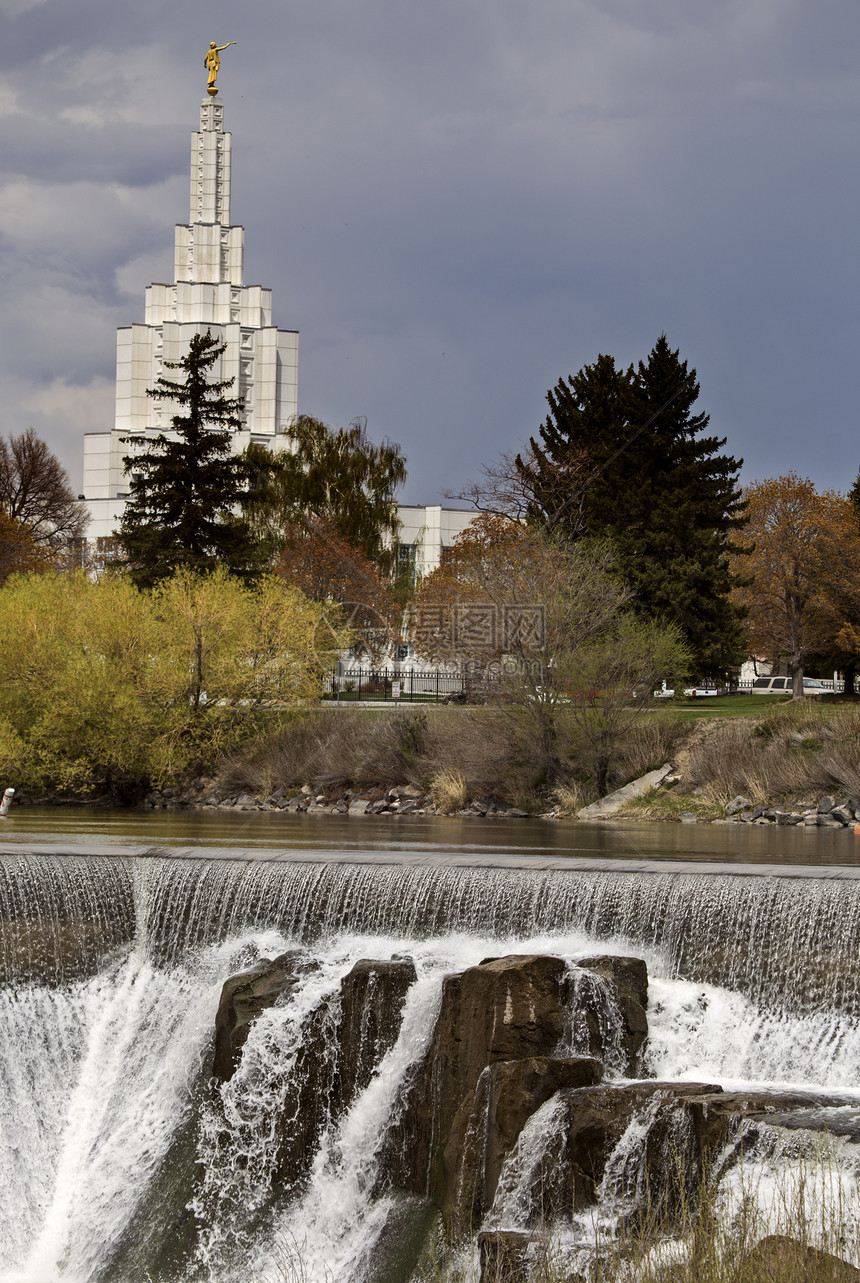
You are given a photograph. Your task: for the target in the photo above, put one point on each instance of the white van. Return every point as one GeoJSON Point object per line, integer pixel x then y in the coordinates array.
{"type": "Point", "coordinates": [783, 686]}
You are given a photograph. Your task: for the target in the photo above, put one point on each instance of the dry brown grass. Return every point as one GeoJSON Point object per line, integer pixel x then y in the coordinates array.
{"type": "Point", "coordinates": [569, 799]}
{"type": "Point", "coordinates": [650, 742]}
{"type": "Point", "coordinates": [799, 750]}
{"type": "Point", "coordinates": [449, 790]}
{"type": "Point", "coordinates": [333, 749]}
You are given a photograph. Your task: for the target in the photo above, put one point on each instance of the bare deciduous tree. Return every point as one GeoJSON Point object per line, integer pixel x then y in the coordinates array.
{"type": "Point", "coordinates": [36, 493]}
{"type": "Point", "coordinates": [521, 487]}
{"type": "Point", "coordinates": [551, 624]}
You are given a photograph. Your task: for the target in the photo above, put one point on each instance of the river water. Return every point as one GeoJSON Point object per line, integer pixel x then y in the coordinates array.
{"type": "Point", "coordinates": [751, 935]}
{"type": "Point", "coordinates": [501, 843]}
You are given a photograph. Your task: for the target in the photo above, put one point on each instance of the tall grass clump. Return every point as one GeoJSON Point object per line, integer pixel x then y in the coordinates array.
{"type": "Point", "coordinates": [799, 750]}
{"type": "Point", "coordinates": [791, 1219]}
{"type": "Point", "coordinates": [449, 790]}
{"type": "Point", "coordinates": [648, 745]}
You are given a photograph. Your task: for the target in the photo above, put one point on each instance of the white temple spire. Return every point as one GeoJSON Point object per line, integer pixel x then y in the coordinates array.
{"type": "Point", "coordinates": [208, 250]}
{"type": "Point", "coordinates": [210, 166]}
{"type": "Point", "coordinates": [207, 293]}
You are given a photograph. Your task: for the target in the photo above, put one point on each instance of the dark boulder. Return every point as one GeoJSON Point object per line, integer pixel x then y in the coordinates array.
{"type": "Point", "coordinates": [781, 1259]}
{"type": "Point", "coordinates": [243, 997]}
{"type": "Point", "coordinates": [504, 1009]}
{"type": "Point", "coordinates": [304, 1086]}
{"type": "Point", "coordinates": [716, 1117]}
{"type": "Point", "coordinates": [327, 1072]}
{"type": "Point", "coordinates": [372, 998]}
{"type": "Point", "coordinates": [393, 1255]}
{"type": "Point", "coordinates": [489, 1122]}
{"type": "Point", "coordinates": [610, 1016]}
{"type": "Point", "coordinates": [584, 1150]}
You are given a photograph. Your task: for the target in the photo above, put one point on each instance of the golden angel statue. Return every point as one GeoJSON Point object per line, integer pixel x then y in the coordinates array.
{"type": "Point", "coordinates": [213, 63]}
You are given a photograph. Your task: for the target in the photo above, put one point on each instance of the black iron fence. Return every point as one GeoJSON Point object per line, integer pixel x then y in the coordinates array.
{"type": "Point", "coordinates": [390, 684]}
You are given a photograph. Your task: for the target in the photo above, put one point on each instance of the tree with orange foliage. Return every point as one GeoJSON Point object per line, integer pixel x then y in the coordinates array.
{"type": "Point", "coordinates": [548, 622]}
{"type": "Point", "coordinates": [801, 573]}
{"type": "Point", "coordinates": [20, 554]}
{"type": "Point", "coordinates": [322, 565]}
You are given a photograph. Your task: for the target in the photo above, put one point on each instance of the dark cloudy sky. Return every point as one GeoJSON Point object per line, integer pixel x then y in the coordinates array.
{"type": "Point", "coordinates": [455, 202]}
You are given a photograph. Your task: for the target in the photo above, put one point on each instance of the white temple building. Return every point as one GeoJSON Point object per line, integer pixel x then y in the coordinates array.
{"type": "Point", "coordinates": [425, 533]}
{"type": "Point", "coordinates": [208, 293]}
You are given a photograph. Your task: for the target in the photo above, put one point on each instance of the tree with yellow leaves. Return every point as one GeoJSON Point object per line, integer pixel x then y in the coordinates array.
{"type": "Point", "coordinates": [107, 687]}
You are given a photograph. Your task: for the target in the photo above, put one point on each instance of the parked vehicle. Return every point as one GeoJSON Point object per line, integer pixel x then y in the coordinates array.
{"type": "Point", "coordinates": [783, 686]}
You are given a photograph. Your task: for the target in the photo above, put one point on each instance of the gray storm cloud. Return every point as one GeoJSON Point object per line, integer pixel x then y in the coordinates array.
{"type": "Point", "coordinates": [455, 204]}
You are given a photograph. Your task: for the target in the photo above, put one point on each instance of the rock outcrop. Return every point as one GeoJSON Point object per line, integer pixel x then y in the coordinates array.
{"type": "Point", "coordinates": [243, 997]}
{"type": "Point", "coordinates": [577, 1159]}
{"type": "Point", "coordinates": [609, 1005]}
{"type": "Point", "coordinates": [614, 802]}
{"type": "Point", "coordinates": [500, 1126]}
{"type": "Point", "coordinates": [371, 1000]}
{"type": "Point", "coordinates": [503, 1009]}
{"type": "Point", "coordinates": [489, 1121]}
{"type": "Point", "coordinates": [326, 1075]}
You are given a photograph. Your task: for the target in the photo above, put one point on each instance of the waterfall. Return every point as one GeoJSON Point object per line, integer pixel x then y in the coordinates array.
{"type": "Point", "coordinates": [111, 972]}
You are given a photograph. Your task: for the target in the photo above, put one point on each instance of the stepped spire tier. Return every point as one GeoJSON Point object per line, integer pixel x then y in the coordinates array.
{"type": "Point", "coordinates": [207, 293]}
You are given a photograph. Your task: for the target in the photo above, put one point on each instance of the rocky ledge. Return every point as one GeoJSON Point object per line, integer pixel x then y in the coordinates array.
{"type": "Point", "coordinates": [826, 813]}
{"type": "Point", "coordinates": [401, 799]}
{"type": "Point", "coordinates": [527, 1084]}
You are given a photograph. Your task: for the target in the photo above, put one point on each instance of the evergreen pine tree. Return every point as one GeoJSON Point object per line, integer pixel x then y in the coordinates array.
{"type": "Point", "coordinates": [854, 495]}
{"type": "Point", "coordinates": [185, 492]}
{"type": "Point", "coordinates": [586, 422]}
{"type": "Point", "coordinates": [661, 491]}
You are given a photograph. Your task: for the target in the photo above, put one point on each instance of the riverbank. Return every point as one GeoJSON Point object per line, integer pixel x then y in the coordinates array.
{"type": "Point", "coordinates": [788, 764]}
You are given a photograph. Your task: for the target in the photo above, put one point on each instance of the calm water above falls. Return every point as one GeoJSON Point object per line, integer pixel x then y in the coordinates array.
{"type": "Point", "coordinates": [113, 966]}
{"type": "Point", "coordinates": [256, 834]}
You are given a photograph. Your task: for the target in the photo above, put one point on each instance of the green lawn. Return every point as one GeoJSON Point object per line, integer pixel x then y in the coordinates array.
{"type": "Point", "coordinates": [690, 710]}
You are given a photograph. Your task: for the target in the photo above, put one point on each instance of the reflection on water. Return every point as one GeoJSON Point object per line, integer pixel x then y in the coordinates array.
{"type": "Point", "coordinates": [262, 834]}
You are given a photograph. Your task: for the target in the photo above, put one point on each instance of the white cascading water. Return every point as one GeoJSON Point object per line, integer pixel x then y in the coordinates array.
{"type": "Point", "coordinates": [522, 1171]}
{"type": "Point", "coordinates": [105, 1033]}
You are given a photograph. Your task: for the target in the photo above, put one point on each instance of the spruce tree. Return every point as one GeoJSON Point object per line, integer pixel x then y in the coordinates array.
{"type": "Point", "coordinates": [185, 492]}
{"type": "Point", "coordinates": [663, 493]}
{"type": "Point", "coordinates": [587, 419]}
